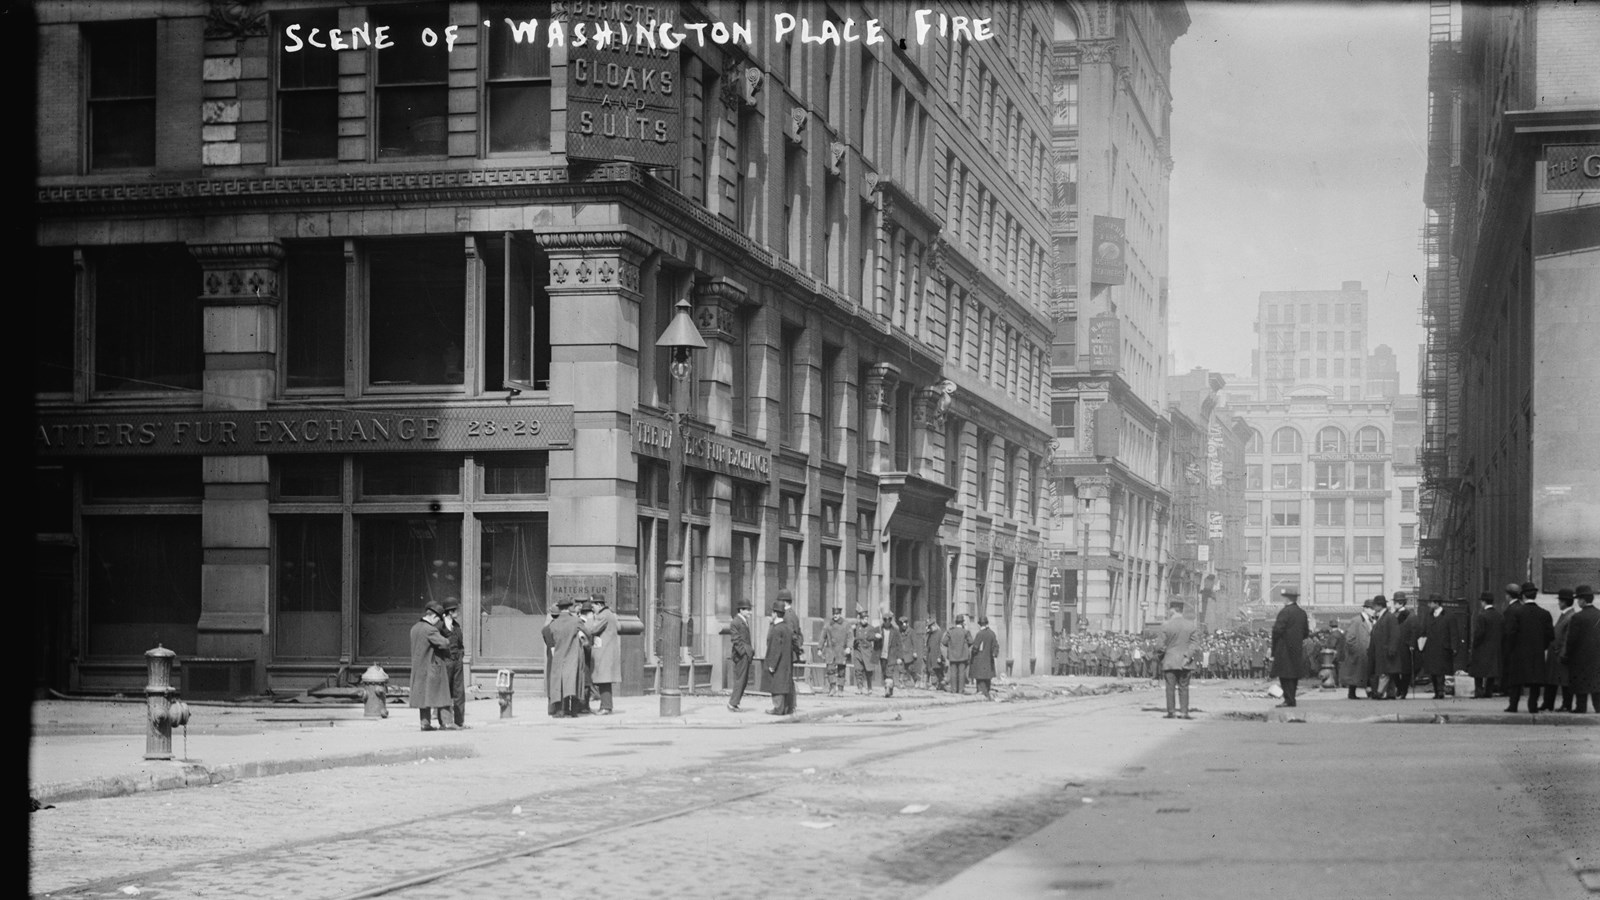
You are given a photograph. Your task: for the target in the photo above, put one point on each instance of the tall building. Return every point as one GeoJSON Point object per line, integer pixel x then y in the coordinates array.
{"type": "Point", "coordinates": [1383, 373]}
{"type": "Point", "coordinates": [1208, 498]}
{"type": "Point", "coordinates": [1110, 141]}
{"type": "Point", "coordinates": [1407, 481]}
{"type": "Point", "coordinates": [1312, 338]}
{"type": "Point", "coordinates": [1512, 238]}
{"type": "Point", "coordinates": [1320, 507]}
{"type": "Point", "coordinates": [326, 333]}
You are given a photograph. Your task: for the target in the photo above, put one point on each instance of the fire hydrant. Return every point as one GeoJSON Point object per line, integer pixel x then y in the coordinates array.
{"type": "Point", "coordinates": [375, 692]}
{"type": "Point", "coordinates": [162, 709]}
{"type": "Point", "coordinates": [1329, 673]}
{"type": "Point", "coordinates": [502, 687]}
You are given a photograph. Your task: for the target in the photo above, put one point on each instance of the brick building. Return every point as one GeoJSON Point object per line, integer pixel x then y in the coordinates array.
{"type": "Point", "coordinates": [326, 332]}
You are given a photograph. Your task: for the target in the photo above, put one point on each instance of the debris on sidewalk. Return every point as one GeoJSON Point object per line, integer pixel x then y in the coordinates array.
{"type": "Point", "coordinates": [912, 809]}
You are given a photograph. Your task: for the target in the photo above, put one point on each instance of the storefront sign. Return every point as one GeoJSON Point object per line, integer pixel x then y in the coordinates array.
{"type": "Point", "coordinates": [624, 101]}
{"type": "Point", "coordinates": [273, 431]}
{"type": "Point", "coordinates": [702, 448]}
{"type": "Point", "coordinates": [1572, 167]}
{"type": "Point", "coordinates": [1109, 265]}
{"type": "Point", "coordinates": [1105, 343]}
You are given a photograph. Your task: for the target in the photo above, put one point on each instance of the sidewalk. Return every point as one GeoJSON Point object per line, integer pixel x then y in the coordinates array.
{"type": "Point", "coordinates": [1249, 701]}
{"type": "Point", "coordinates": [83, 749]}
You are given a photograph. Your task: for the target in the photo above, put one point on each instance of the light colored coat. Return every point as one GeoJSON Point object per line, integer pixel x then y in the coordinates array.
{"type": "Point", "coordinates": [605, 641]}
{"type": "Point", "coordinates": [563, 637]}
{"type": "Point", "coordinates": [1177, 644]}
{"type": "Point", "coordinates": [1352, 656]}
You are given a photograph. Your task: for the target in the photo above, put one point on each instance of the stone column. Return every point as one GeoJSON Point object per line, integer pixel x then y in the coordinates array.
{"type": "Point", "coordinates": [927, 429]}
{"type": "Point", "coordinates": [594, 344]}
{"type": "Point", "coordinates": [882, 381]}
{"type": "Point", "coordinates": [239, 290]}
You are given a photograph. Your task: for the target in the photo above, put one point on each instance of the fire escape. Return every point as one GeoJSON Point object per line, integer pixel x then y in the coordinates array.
{"type": "Point", "coordinates": [1440, 378]}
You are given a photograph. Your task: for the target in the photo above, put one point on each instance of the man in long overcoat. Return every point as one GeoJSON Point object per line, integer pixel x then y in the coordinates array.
{"type": "Point", "coordinates": [1483, 664]}
{"type": "Point", "coordinates": [1383, 651]}
{"type": "Point", "coordinates": [835, 650]}
{"type": "Point", "coordinates": [957, 648]}
{"type": "Point", "coordinates": [743, 652]}
{"type": "Point", "coordinates": [1288, 636]}
{"type": "Point", "coordinates": [985, 647]}
{"type": "Point", "coordinates": [933, 655]}
{"type": "Point", "coordinates": [564, 638]}
{"type": "Point", "coordinates": [1529, 633]}
{"type": "Point", "coordinates": [1437, 644]}
{"type": "Point", "coordinates": [1559, 676]}
{"type": "Point", "coordinates": [779, 663]}
{"type": "Point", "coordinates": [910, 653]}
{"type": "Point", "coordinates": [1351, 658]}
{"type": "Point", "coordinates": [430, 661]}
{"type": "Point", "coordinates": [865, 639]}
{"type": "Point", "coordinates": [1409, 624]}
{"type": "Point", "coordinates": [605, 649]}
{"type": "Point", "coordinates": [1583, 651]}
{"type": "Point", "coordinates": [889, 654]}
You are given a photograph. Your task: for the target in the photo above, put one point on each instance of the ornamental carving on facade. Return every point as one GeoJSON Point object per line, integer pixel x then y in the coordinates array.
{"type": "Point", "coordinates": [732, 83]}
{"type": "Point", "coordinates": [882, 379]}
{"type": "Point", "coordinates": [234, 20]}
{"type": "Point", "coordinates": [1097, 51]}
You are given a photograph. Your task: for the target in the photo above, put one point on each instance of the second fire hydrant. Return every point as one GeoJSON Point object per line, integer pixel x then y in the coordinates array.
{"type": "Point", "coordinates": [162, 708]}
{"type": "Point", "coordinates": [1329, 673]}
{"type": "Point", "coordinates": [502, 687]}
{"type": "Point", "coordinates": [375, 692]}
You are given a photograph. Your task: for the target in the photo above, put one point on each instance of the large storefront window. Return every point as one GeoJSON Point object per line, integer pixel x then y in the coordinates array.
{"type": "Point", "coordinates": [512, 566]}
{"type": "Point", "coordinates": [405, 561]}
{"type": "Point", "coordinates": [142, 583]}
{"type": "Point", "coordinates": [309, 579]}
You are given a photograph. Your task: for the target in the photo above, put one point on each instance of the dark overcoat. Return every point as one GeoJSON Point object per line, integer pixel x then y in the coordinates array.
{"type": "Point", "coordinates": [1288, 639]}
{"type": "Point", "coordinates": [1583, 651]}
{"type": "Point", "coordinates": [1558, 647]}
{"type": "Point", "coordinates": [1352, 656]}
{"type": "Point", "coordinates": [957, 644]}
{"type": "Point", "coordinates": [931, 640]}
{"type": "Point", "coordinates": [1383, 651]}
{"type": "Point", "coordinates": [1529, 633]}
{"type": "Point", "coordinates": [1409, 624]}
{"type": "Point", "coordinates": [1486, 636]}
{"type": "Point", "coordinates": [430, 675]}
{"type": "Point", "coordinates": [985, 647]}
{"type": "Point", "coordinates": [864, 642]}
{"type": "Point", "coordinates": [778, 666]}
{"type": "Point", "coordinates": [1438, 654]}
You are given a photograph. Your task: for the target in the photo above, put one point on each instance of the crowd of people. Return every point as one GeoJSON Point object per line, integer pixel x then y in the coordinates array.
{"type": "Point", "coordinates": [1380, 654]}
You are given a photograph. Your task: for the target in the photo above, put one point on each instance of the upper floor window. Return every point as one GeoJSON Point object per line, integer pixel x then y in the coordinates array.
{"type": "Point", "coordinates": [308, 92]}
{"type": "Point", "coordinates": [1253, 445]}
{"type": "Point", "coordinates": [517, 83]}
{"type": "Point", "coordinates": [1369, 440]}
{"type": "Point", "coordinates": [122, 94]}
{"type": "Point", "coordinates": [420, 284]}
{"type": "Point", "coordinates": [1330, 440]}
{"type": "Point", "coordinates": [1286, 441]}
{"type": "Point", "coordinates": [412, 83]}
{"type": "Point", "coordinates": [147, 319]}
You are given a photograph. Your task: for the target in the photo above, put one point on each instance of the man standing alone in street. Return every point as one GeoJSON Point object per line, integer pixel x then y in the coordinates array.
{"type": "Point", "coordinates": [985, 647]}
{"type": "Point", "coordinates": [743, 651]}
{"type": "Point", "coordinates": [779, 663]}
{"type": "Point", "coordinates": [1288, 640]}
{"type": "Point", "coordinates": [957, 647]}
{"type": "Point", "coordinates": [1177, 657]}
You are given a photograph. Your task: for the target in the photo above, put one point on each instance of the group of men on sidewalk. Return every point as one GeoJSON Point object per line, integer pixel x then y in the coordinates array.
{"type": "Point", "coordinates": [583, 657]}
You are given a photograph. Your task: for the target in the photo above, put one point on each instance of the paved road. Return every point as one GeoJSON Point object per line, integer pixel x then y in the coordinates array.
{"type": "Point", "coordinates": [890, 805]}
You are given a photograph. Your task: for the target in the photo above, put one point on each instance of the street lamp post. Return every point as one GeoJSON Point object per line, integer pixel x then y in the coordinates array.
{"type": "Point", "coordinates": [679, 339]}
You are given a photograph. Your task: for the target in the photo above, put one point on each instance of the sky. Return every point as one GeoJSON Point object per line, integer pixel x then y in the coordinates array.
{"type": "Point", "coordinates": [1299, 136]}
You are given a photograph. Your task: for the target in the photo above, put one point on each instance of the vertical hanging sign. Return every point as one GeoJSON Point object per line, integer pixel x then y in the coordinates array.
{"type": "Point", "coordinates": [1110, 243]}
{"type": "Point", "coordinates": [624, 99]}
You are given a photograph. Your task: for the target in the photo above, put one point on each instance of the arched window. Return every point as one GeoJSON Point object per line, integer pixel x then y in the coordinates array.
{"type": "Point", "coordinates": [1286, 441]}
{"type": "Point", "coordinates": [1066, 29]}
{"type": "Point", "coordinates": [1255, 443]}
{"type": "Point", "coordinates": [1330, 440]}
{"type": "Point", "coordinates": [1369, 440]}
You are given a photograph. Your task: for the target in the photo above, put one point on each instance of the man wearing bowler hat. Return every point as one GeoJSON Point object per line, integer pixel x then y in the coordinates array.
{"type": "Point", "coordinates": [779, 663]}
{"type": "Point", "coordinates": [1288, 641]}
{"type": "Point", "coordinates": [1559, 677]}
{"type": "Point", "coordinates": [1582, 657]}
{"type": "Point", "coordinates": [563, 677]}
{"type": "Point", "coordinates": [1483, 662]}
{"type": "Point", "coordinates": [430, 660]}
{"type": "Point", "coordinates": [1528, 633]}
{"type": "Point", "coordinates": [743, 652]}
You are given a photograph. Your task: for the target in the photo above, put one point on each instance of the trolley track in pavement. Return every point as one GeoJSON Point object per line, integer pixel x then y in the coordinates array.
{"type": "Point", "coordinates": [488, 835]}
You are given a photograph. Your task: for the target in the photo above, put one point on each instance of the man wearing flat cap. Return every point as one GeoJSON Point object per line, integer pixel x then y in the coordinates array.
{"type": "Point", "coordinates": [865, 639]}
{"type": "Point", "coordinates": [430, 661]}
{"type": "Point", "coordinates": [564, 639]}
{"type": "Point", "coordinates": [1582, 657]}
{"type": "Point", "coordinates": [1483, 662]}
{"type": "Point", "coordinates": [779, 663]}
{"type": "Point", "coordinates": [743, 653]}
{"type": "Point", "coordinates": [1528, 635]}
{"type": "Point", "coordinates": [1288, 641]}
{"type": "Point", "coordinates": [1559, 676]}
{"type": "Point", "coordinates": [450, 627]}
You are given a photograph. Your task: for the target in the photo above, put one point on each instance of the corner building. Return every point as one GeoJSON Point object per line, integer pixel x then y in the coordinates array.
{"type": "Point", "coordinates": [328, 333]}
{"type": "Point", "coordinates": [1110, 141]}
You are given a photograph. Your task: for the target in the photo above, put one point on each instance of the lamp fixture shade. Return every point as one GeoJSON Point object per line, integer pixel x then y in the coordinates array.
{"type": "Point", "coordinates": [682, 333]}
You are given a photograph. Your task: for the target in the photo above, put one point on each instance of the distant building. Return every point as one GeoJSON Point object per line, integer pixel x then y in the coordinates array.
{"type": "Point", "coordinates": [1383, 373]}
{"type": "Point", "coordinates": [1407, 479]}
{"type": "Point", "coordinates": [1207, 521]}
{"type": "Point", "coordinates": [1512, 238]}
{"type": "Point", "coordinates": [1312, 338]}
